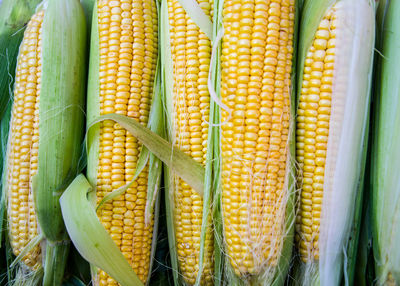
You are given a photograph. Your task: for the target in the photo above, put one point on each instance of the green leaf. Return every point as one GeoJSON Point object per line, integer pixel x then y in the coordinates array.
{"type": "Point", "coordinates": [386, 151]}
{"type": "Point", "coordinates": [89, 236]}
{"type": "Point", "coordinates": [60, 110]}
{"type": "Point", "coordinates": [183, 165]}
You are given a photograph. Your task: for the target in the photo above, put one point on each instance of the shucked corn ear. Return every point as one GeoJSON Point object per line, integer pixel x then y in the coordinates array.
{"type": "Point", "coordinates": [336, 51]}
{"type": "Point", "coordinates": [123, 63]}
{"type": "Point", "coordinates": [45, 132]}
{"type": "Point", "coordinates": [190, 54]}
{"type": "Point", "coordinates": [256, 124]}
{"type": "Point", "coordinates": [386, 192]}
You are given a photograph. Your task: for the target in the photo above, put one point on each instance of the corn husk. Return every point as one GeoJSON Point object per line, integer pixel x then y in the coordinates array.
{"type": "Point", "coordinates": [347, 136]}
{"type": "Point", "coordinates": [385, 187]}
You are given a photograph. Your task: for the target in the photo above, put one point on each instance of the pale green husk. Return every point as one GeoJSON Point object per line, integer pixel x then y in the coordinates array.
{"type": "Point", "coordinates": [348, 137]}
{"type": "Point", "coordinates": [386, 140]}
{"type": "Point", "coordinates": [88, 234]}
{"type": "Point", "coordinates": [60, 125]}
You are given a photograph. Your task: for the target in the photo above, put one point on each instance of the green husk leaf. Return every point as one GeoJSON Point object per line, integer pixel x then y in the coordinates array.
{"type": "Point", "coordinates": [60, 124]}
{"type": "Point", "coordinates": [217, 203]}
{"type": "Point", "coordinates": [354, 237]}
{"type": "Point", "coordinates": [4, 130]}
{"type": "Point", "coordinates": [73, 281]}
{"type": "Point", "coordinates": [385, 152]}
{"type": "Point", "coordinates": [170, 155]}
{"type": "Point", "coordinates": [156, 124]}
{"type": "Point", "coordinates": [60, 111]}
{"type": "Point", "coordinates": [88, 7]}
{"type": "Point", "coordinates": [167, 95]}
{"type": "Point", "coordinates": [89, 236]}
{"type": "Point", "coordinates": [93, 104]}
{"type": "Point", "coordinates": [168, 185]}
{"type": "Point", "coordinates": [195, 13]}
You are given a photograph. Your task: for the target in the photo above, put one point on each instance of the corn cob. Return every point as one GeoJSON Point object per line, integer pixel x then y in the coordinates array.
{"type": "Point", "coordinates": [126, 34]}
{"type": "Point", "coordinates": [23, 148]}
{"type": "Point", "coordinates": [336, 51]}
{"type": "Point", "coordinates": [37, 166]}
{"type": "Point", "coordinates": [257, 51]}
{"type": "Point", "coordinates": [191, 52]}
{"type": "Point", "coordinates": [313, 130]}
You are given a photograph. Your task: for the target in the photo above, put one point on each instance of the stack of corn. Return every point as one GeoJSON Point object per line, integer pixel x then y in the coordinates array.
{"type": "Point", "coordinates": [45, 133]}
{"type": "Point", "coordinates": [336, 49]}
{"type": "Point", "coordinates": [123, 62]}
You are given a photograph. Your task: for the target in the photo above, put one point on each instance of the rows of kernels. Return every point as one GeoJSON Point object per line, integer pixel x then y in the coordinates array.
{"type": "Point", "coordinates": [191, 59]}
{"type": "Point", "coordinates": [312, 134]}
{"type": "Point", "coordinates": [128, 52]}
{"type": "Point", "coordinates": [256, 66]}
{"type": "Point", "coordinates": [24, 136]}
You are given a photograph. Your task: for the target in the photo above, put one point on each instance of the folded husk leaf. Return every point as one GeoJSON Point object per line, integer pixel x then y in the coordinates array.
{"type": "Point", "coordinates": [88, 234]}
{"type": "Point", "coordinates": [386, 184]}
